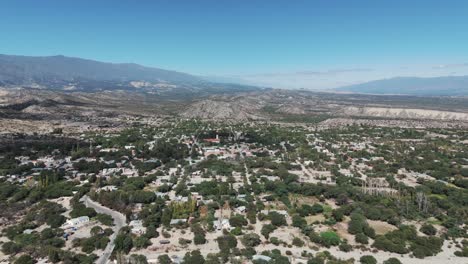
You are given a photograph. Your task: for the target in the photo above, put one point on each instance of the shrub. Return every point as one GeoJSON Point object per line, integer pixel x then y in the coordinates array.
{"type": "Point", "coordinates": [199, 238]}
{"type": "Point", "coordinates": [164, 259]}
{"type": "Point", "coordinates": [267, 230]}
{"type": "Point", "coordinates": [277, 219]}
{"type": "Point", "coordinates": [251, 240]}
{"type": "Point", "coordinates": [345, 247]}
{"type": "Point", "coordinates": [298, 221]}
{"type": "Point", "coordinates": [395, 246]}
{"type": "Point", "coordinates": [428, 229]}
{"type": "Point", "coordinates": [25, 259]}
{"type": "Point", "coordinates": [330, 238]}
{"type": "Point", "coordinates": [463, 252]}
{"type": "Point", "coordinates": [236, 231]}
{"type": "Point", "coordinates": [361, 238]}
{"type": "Point", "coordinates": [367, 259]}
{"type": "Point", "coordinates": [226, 243]}
{"type": "Point", "coordinates": [105, 219]}
{"type": "Point", "coordinates": [297, 242]}
{"type": "Point", "coordinates": [275, 241]}
{"type": "Point", "coordinates": [392, 261]}
{"type": "Point", "coordinates": [10, 248]}
{"type": "Point", "coordinates": [238, 221]}
{"type": "Point", "coordinates": [316, 209]}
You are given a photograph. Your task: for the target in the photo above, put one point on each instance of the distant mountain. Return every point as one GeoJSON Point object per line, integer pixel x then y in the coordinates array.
{"type": "Point", "coordinates": [436, 86]}
{"type": "Point", "coordinates": [76, 74]}
{"type": "Point", "coordinates": [61, 71]}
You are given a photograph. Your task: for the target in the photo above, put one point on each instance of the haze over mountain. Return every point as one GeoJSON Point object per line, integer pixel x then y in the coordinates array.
{"type": "Point", "coordinates": [70, 74]}
{"type": "Point", "coordinates": [55, 71]}
{"type": "Point", "coordinates": [434, 86]}
{"type": "Point", "coordinates": [76, 74]}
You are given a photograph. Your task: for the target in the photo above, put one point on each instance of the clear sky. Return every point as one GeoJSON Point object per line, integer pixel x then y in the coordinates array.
{"type": "Point", "coordinates": [290, 44]}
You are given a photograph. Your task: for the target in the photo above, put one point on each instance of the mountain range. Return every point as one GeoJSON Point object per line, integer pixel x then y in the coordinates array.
{"type": "Point", "coordinates": [434, 86]}
{"type": "Point", "coordinates": [76, 74]}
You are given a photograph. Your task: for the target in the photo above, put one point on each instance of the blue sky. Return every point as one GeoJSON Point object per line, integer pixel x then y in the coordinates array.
{"type": "Point", "coordinates": [289, 44]}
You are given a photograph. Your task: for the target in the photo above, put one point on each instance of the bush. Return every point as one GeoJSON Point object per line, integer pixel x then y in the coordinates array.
{"type": "Point", "coordinates": [267, 230]}
{"type": "Point", "coordinates": [298, 221]}
{"type": "Point", "coordinates": [297, 242]}
{"type": "Point", "coordinates": [392, 261]}
{"type": "Point", "coordinates": [105, 219]}
{"type": "Point", "coordinates": [358, 224]}
{"type": "Point", "coordinates": [194, 257]}
{"type": "Point", "coordinates": [316, 209]}
{"type": "Point", "coordinates": [56, 221]}
{"type": "Point", "coordinates": [330, 238]}
{"type": "Point", "coordinates": [10, 248]}
{"type": "Point", "coordinates": [248, 252]}
{"type": "Point", "coordinates": [238, 221]}
{"type": "Point", "coordinates": [25, 259]}
{"type": "Point", "coordinates": [164, 259]}
{"type": "Point", "coordinates": [123, 242]}
{"type": "Point", "coordinates": [426, 246]}
{"type": "Point", "coordinates": [277, 219]}
{"type": "Point", "coordinates": [428, 229]}
{"type": "Point", "coordinates": [395, 246]}
{"type": "Point", "coordinates": [275, 241]}
{"type": "Point", "coordinates": [237, 231]}
{"type": "Point", "coordinates": [226, 243]}
{"type": "Point", "coordinates": [345, 247]}
{"type": "Point", "coordinates": [367, 259]}
{"type": "Point", "coordinates": [338, 215]}
{"type": "Point", "coordinates": [251, 240]}
{"type": "Point", "coordinates": [141, 242]}
{"type": "Point", "coordinates": [361, 238]}
{"type": "Point", "coordinates": [463, 252]}
{"type": "Point", "coordinates": [199, 239]}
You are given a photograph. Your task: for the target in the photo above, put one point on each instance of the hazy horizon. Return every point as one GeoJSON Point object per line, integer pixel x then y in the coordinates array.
{"type": "Point", "coordinates": [310, 45]}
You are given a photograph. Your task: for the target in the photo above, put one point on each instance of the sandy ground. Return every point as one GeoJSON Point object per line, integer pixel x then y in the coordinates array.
{"type": "Point", "coordinates": [314, 218]}
{"type": "Point", "coordinates": [381, 227]}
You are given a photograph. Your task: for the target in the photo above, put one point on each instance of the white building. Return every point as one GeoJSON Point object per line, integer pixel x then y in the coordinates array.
{"type": "Point", "coordinates": [222, 224]}
{"type": "Point", "coordinates": [137, 227]}
{"type": "Point", "coordinates": [76, 222]}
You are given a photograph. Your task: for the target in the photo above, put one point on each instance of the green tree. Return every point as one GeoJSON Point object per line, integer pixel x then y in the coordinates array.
{"type": "Point", "coordinates": [164, 259]}
{"type": "Point", "coordinates": [10, 248]}
{"type": "Point", "coordinates": [226, 243]}
{"type": "Point", "coordinates": [251, 240]}
{"type": "Point", "coordinates": [141, 242]}
{"type": "Point", "coordinates": [392, 261]}
{"type": "Point", "coordinates": [330, 238]}
{"type": "Point", "coordinates": [367, 259]}
{"type": "Point", "coordinates": [267, 230]}
{"type": "Point", "coordinates": [277, 219]}
{"type": "Point", "coordinates": [25, 259]}
{"type": "Point", "coordinates": [199, 238]}
{"type": "Point", "coordinates": [298, 221]}
{"type": "Point", "coordinates": [194, 257]}
{"type": "Point", "coordinates": [123, 242]}
{"type": "Point", "coordinates": [238, 221]}
{"type": "Point", "coordinates": [428, 229]}
{"type": "Point", "coordinates": [96, 230]}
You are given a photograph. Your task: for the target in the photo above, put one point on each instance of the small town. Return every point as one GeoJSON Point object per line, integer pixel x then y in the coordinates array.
{"type": "Point", "coordinates": [193, 191]}
{"type": "Point", "coordinates": [233, 132]}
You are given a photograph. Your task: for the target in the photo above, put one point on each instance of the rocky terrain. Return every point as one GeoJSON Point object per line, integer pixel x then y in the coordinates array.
{"type": "Point", "coordinates": [403, 113]}
{"type": "Point", "coordinates": [269, 105]}
{"type": "Point", "coordinates": [43, 111]}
